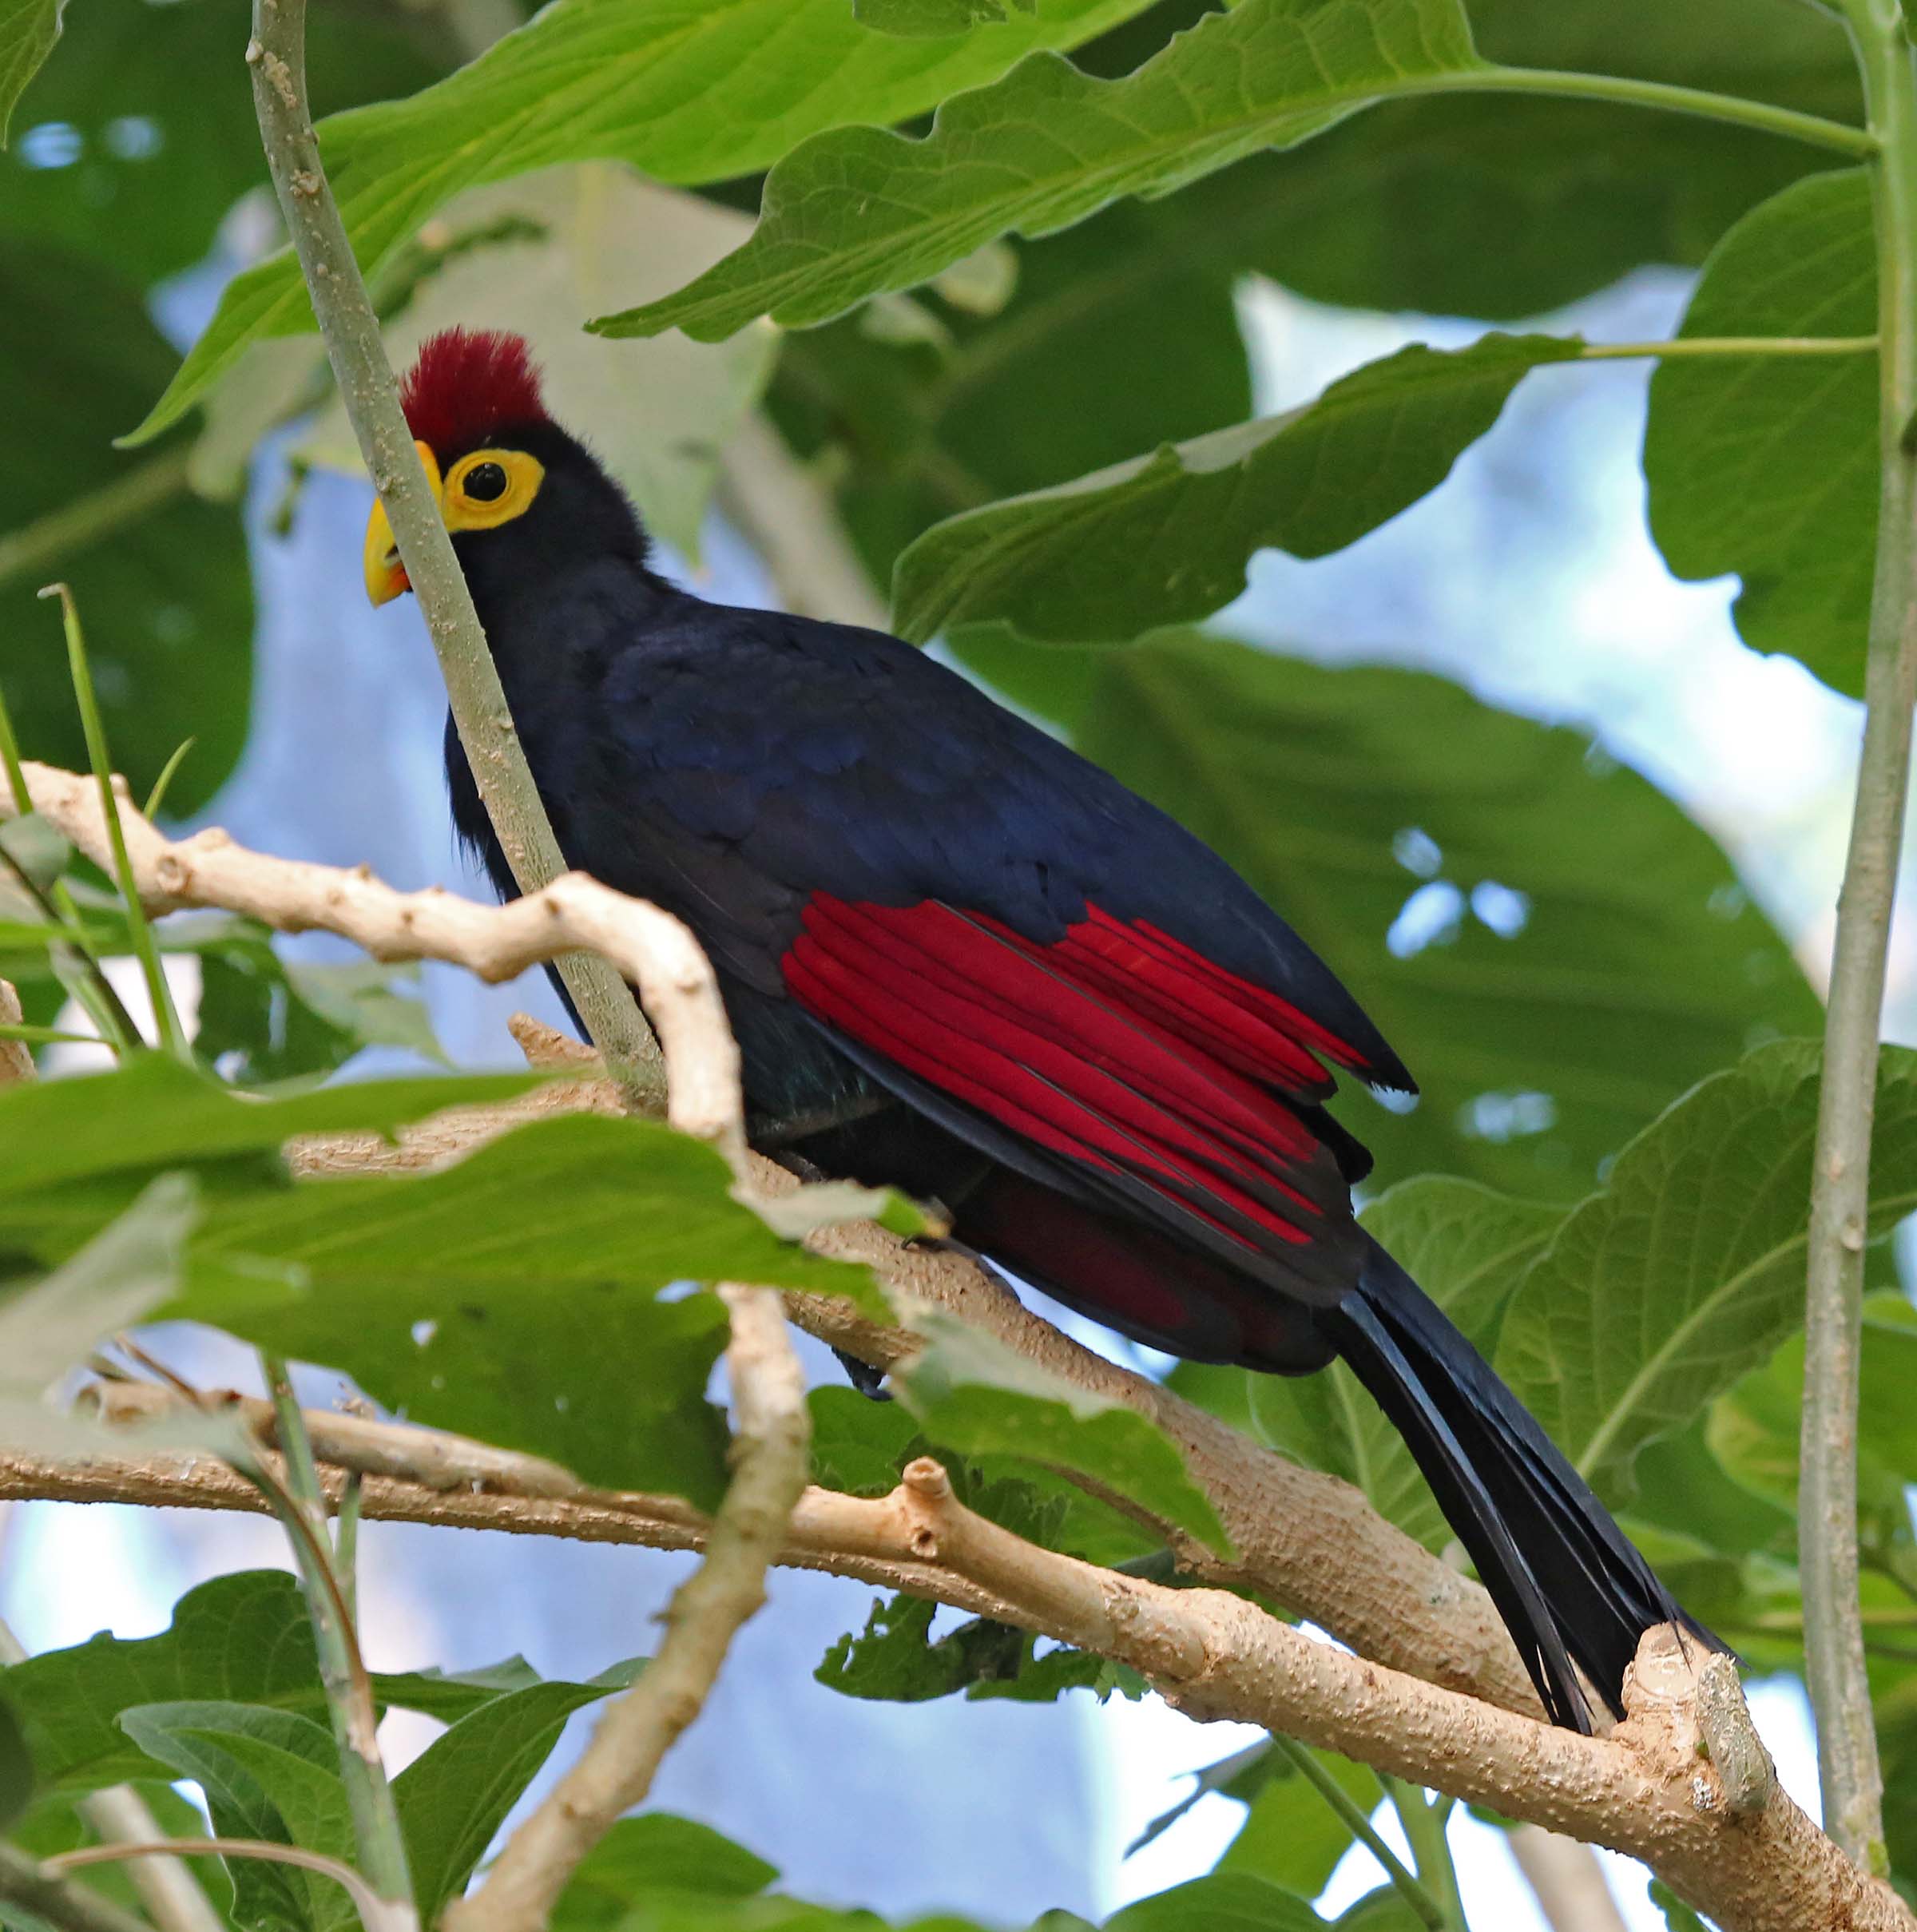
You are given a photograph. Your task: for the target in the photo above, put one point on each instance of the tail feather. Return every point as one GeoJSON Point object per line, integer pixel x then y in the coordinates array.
{"type": "Point", "coordinates": [1571, 1589]}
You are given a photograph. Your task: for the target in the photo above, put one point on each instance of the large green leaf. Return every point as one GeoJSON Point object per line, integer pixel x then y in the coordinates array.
{"type": "Point", "coordinates": [267, 1773]}
{"type": "Point", "coordinates": [1291, 1835]}
{"type": "Point", "coordinates": [28, 30]}
{"type": "Point", "coordinates": [1755, 1429]}
{"type": "Point", "coordinates": [1766, 465]}
{"type": "Point", "coordinates": [1686, 1268]}
{"type": "Point", "coordinates": [1226, 1901]}
{"type": "Point", "coordinates": [522, 1296]}
{"type": "Point", "coordinates": [851, 214]}
{"type": "Point", "coordinates": [160, 137]}
{"type": "Point", "coordinates": [656, 1852]}
{"type": "Point", "coordinates": [1468, 1248]}
{"type": "Point", "coordinates": [455, 1795]}
{"type": "Point", "coordinates": [1168, 537]}
{"type": "Point", "coordinates": [685, 90]}
{"type": "Point", "coordinates": [972, 1394]}
{"type": "Point", "coordinates": [110, 1133]}
{"type": "Point", "coordinates": [163, 590]}
{"type": "Point", "coordinates": [1554, 948]}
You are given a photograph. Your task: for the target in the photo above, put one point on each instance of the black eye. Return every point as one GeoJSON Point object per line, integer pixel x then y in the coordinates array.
{"type": "Point", "coordinates": [485, 483]}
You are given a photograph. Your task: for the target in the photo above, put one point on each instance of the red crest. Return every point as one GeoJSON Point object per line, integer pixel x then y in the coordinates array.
{"type": "Point", "coordinates": [467, 385]}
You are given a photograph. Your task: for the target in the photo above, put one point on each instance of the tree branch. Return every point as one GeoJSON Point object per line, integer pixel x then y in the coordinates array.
{"type": "Point", "coordinates": [1649, 1789]}
{"type": "Point", "coordinates": [1849, 1773]}
{"type": "Point", "coordinates": [276, 56]}
{"type": "Point", "coordinates": [16, 1060]}
{"type": "Point", "coordinates": [772, 1436]}
{"type": "Point", "coordinates": [1567, 1881]}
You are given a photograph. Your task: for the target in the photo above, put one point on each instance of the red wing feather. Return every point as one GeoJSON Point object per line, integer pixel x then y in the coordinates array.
{"type": "Point", "coordinates": [1105, 1049]}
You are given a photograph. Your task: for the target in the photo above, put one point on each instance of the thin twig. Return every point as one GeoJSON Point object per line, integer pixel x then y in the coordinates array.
{"type": "Point", "coordinates": [39, 1889]}
{"type": "Point", "coordinates": [276, 55]}
{"type": "Point", "coordinates": [1849, 1772]}
{"type": "Point", "coordinates": [377, 1914]}
{"type": "Point", "coordinates": [1684, 345]}
{"type": "Point", "coordinates": [616, 1768]}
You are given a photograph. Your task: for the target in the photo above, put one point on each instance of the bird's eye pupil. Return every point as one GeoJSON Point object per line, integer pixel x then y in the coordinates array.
{"type": "Point", "coordinates": [485, 483]}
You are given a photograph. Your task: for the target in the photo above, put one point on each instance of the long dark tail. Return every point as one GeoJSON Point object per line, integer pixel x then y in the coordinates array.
{"type": "Point", "coordinates": [1570, 1588]}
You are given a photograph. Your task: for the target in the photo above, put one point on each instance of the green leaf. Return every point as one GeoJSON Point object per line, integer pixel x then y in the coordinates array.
{"type": "Point", "coordinates": [972, 1394]}
{"type": "Point", "coordinates": [684, 96]}
{"type": "Point", "coordinates": [267, 1774]}
{"type": "Point", "coordinates": [111, 1283]}
{"type": "Point", "coordinates": [1686, 1269]}
{"type": "Point", "coordinates": [896, 1659]}
{"type": "Point", "coordinates": [56, 1824]}
{"type": "Point", "coordinates": [851, 214]}
{"type": "Point", "coordinates": [656, 1853]}
{"type": "Point", "coordinates": [1290, 1836]}
{"type": "Point", "coordinates": [858, 1446]}
{"type": "Point", "coordinates": [456, 1794]}
{"type": "Point", "coordinates": [163, 583]}
{"type": "Point", "coordinates": [112, 1132]}
{"type": "Point", "coordinates": [1755, 1429]}
{"type": "Point", "coordinates": [1468, 1248]}
{"type": "Point", "coordinates": [1678, 1917]}
{"type": "Point", "coordinates": [28, 30]}
{"type": "Point", "coordinates": [1168, 537]}
{"type": "Point", "coordinates": [16, 1767]}
{"type": "Point", "coordinates": [929, 19]}
{"type": "Point", "coordinates": [1766, 465]}
{"type": "Point", "coordinates": [1226, 1902]}
{"type": "Point", "coordinates": [509, 1296]}
{"type": "Point", "coordinates": [1628, 964]}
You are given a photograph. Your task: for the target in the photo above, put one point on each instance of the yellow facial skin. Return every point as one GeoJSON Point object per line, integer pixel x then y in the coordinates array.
{"type": "Point", "coordinates": [483, 490]}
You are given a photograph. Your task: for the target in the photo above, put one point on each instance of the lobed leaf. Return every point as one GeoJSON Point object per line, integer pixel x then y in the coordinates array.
{"type": "Point", "coordinates": [1168, 537]}
{"type": "Point", "coordinates": [851, 214]}
{"type": "Point", "coordinates": [1686, 1269]}
{"type": "Point", "coordinates": [1767, 467]}
{"type": "Point", "coordinates": [683, 90]}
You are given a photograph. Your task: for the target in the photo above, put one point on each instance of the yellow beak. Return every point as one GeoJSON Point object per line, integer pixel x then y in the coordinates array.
{"type": "Point", "coordinates": [385, 574]}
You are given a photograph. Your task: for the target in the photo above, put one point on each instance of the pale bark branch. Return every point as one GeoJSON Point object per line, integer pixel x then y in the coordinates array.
{"type": "Point", "coordinates": [771, 1438]}
{"type": "Point", "coordinates": [1566, 1880]}
{"type": "Point", "coordinates": [276, 56]}
{"type": "Point", "coordinates": [1651, 1788]}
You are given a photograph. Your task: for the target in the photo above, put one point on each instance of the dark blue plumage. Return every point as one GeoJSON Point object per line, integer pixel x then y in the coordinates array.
{"type": "Point", "coordinates": [961, 959]}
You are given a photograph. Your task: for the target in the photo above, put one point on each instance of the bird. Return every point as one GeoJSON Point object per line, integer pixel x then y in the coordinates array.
{"type": "Point", "coordinates": [962, 961]}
